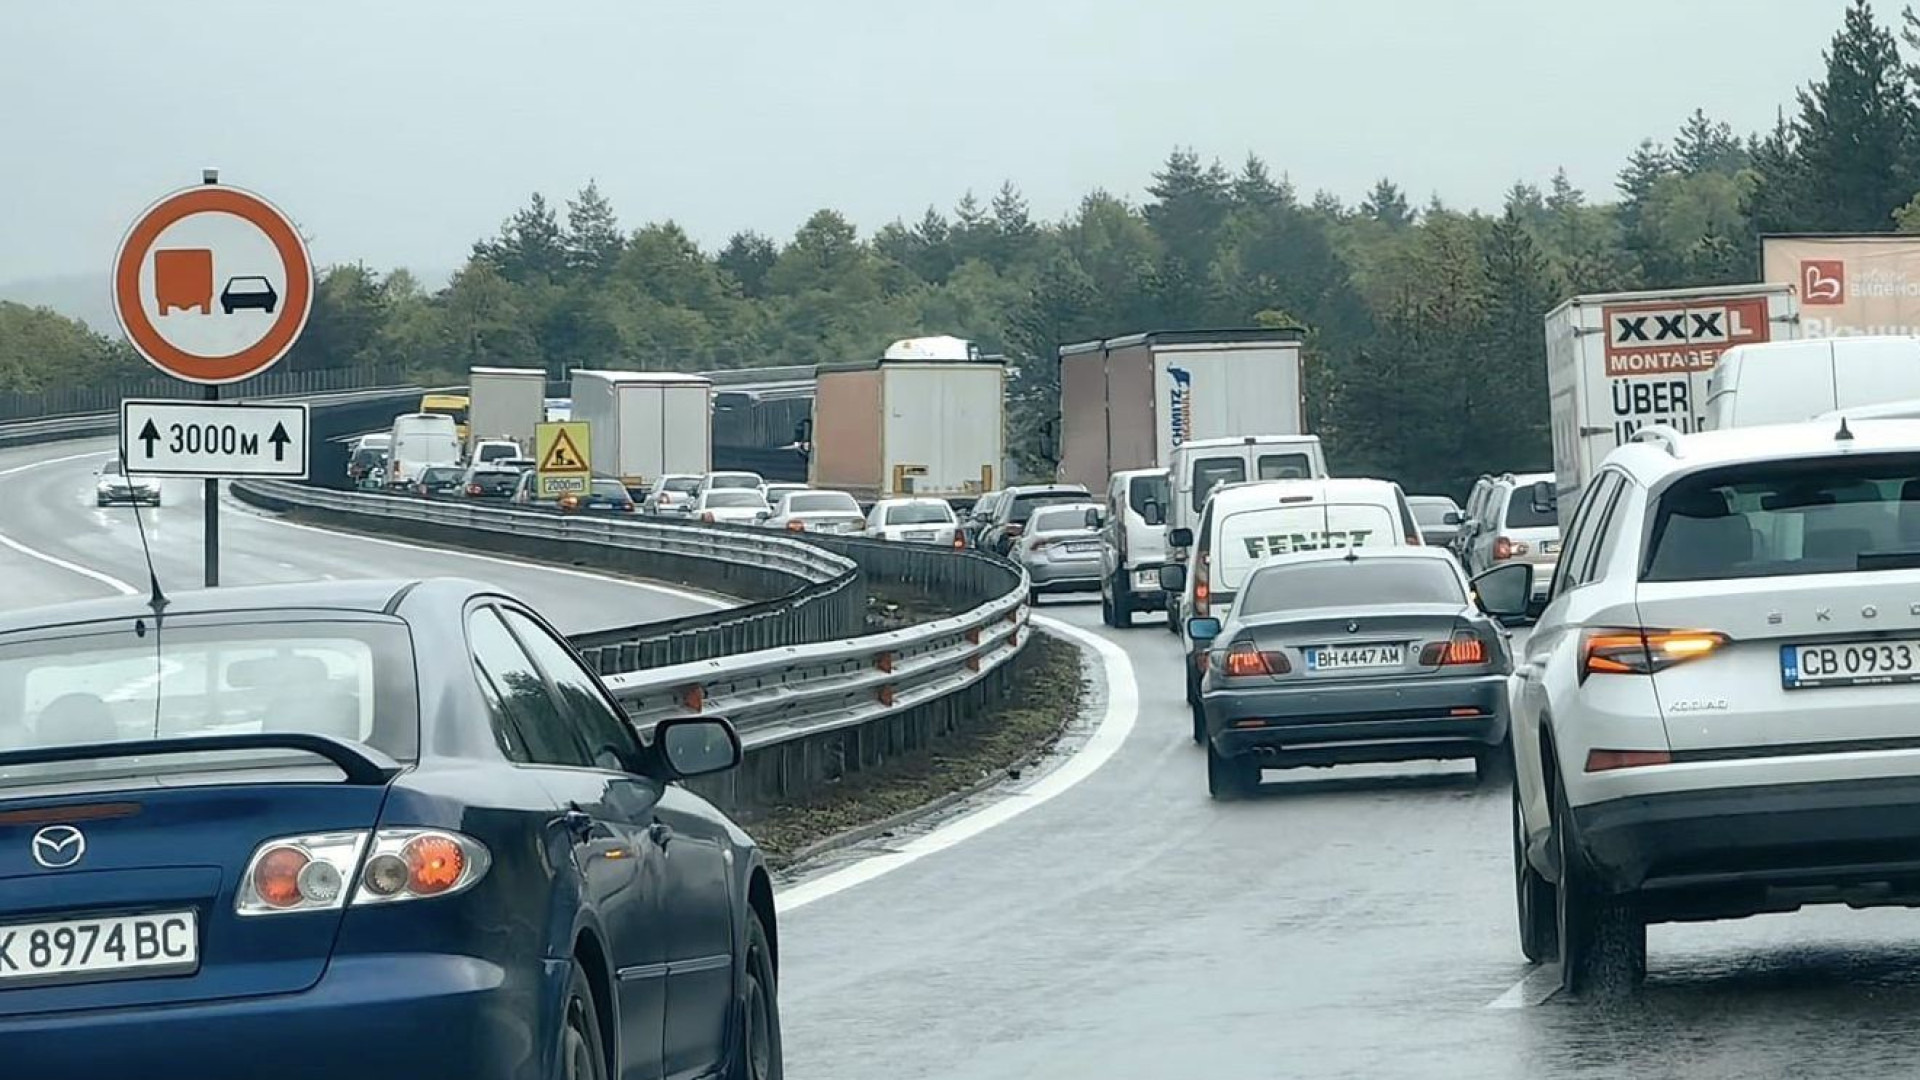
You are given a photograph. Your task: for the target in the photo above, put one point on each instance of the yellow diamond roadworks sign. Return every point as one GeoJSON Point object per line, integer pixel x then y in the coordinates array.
{"type": "Point", "coordinates": [561, 458]}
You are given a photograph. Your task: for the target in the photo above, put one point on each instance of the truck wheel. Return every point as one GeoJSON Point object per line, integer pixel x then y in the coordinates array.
{"type": "Point", "coordinates": [1603, 939]}
{"type": "Point", "coordinates": [1122, 601]}
{"type": "Point", "coordinates": [1106, 609]}
{"type": "Point", "coordinates": [1230, 778]}
{"type": "Point", "coordinates": [1533, 899]}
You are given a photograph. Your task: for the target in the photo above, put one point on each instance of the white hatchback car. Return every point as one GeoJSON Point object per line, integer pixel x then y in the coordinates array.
{"type": "Point", "coordinates": [914, 521]}
{"type": "Point", "coordinates": [1718, 713]}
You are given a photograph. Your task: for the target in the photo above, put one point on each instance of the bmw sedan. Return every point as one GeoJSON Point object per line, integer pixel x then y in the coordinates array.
{"type": "Point", "coordinates": [1364, 655]}
{"type": "Point", "coordinates": [349, 829]}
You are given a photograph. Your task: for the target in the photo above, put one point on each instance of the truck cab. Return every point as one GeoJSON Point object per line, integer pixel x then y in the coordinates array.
{"type": "Point", "coordinates": [1196, 468]}
{"type": "Point", "coordinates": [1786, 382]}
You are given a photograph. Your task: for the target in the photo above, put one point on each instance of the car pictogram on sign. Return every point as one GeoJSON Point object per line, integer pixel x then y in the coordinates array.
{"type": "Point", "coordinates": [249, 291]}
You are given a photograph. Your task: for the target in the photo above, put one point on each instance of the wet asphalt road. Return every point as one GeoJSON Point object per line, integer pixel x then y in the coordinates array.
{"type": "Point", "coordinates": [47, 504]}
{"type": "Point", "coordinates": [1352, 922]}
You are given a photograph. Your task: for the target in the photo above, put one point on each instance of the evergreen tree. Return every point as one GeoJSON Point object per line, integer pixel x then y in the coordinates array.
{"type": "Point", "coordinates": [1855, 133]}
{"type": "Point", "coordinates": [748, 257]}
{"type": "Point", "coordinates": [1387, 205]}
{"type": "Point", "coordinates": [1256, 187]}
{"type": "Point", "coordinates": [592, 239]}
{"type": "Point", "coordinates": [530, 248]}
{"type": "Point", "coordinates": [1189, 204]}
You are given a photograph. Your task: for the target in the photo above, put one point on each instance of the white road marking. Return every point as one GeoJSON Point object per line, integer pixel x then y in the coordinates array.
{"type": "Point", "coordinates": [603, 579]}
{"type": "Point", "coordinates": [108, 580]}
{"type": "Point", "coordinates": [1534, 988]}
{"type": "Point", "coordinates": [1123, 709]}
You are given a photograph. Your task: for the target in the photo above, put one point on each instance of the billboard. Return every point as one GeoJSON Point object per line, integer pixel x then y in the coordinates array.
{"type": "Point", "coordinates": [1849, 285]}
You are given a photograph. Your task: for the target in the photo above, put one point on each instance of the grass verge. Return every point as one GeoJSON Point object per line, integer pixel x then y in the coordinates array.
{"type": "Point", "coordinates": [1048, 683]}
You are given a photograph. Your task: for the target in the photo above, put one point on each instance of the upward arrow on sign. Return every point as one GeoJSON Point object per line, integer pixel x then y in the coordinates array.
{"type": "Point", "coordinates": [149, 435]}
{"type": "Point", "coordinates": [279, 439]}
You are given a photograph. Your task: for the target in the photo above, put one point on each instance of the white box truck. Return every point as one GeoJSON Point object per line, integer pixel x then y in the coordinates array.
{"type": "Point", "coordinates": [1129, 402]}
{"type": "Point", "coordinates": [1618, 362]}
{"type": "Point", "coordinates": [505, 403]}
{"type": "Point", "coordinates": [644, 424]}
{"type": "Point", "coordinates": [927, 418]}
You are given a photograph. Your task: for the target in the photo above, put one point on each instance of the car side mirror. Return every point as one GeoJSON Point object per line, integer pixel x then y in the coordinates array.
{"type": "Point", "coordinates": [696, 745]}
{"type": "Point", "coordinates": [1152, 514]}
{"type": "Point", "coordinates": [762, 515]}
{"type": "Point", "coordinates": [1173, 577]}
{"type": "Point", "coordinates": [1452, 518]}
{"type": "Point", "coordinates": [1506, 591]}
{"type": "Point", "coordinates": [1203, 629]}
{"type": "Point", "coordinates": [1180, 538]}
{"type": "Point", "coordinates": [1095, 519]}
{"type": "Point", "coordinates": [1546, 497]}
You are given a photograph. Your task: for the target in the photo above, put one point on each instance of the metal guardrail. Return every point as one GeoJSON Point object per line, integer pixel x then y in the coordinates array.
{"type": "Point", "coordinates": [810, 594]}
{"type": "Point", "coordinates": [795, 698]}
{"type": "Point", "coordinates": [53, 428]}
{"type": "Point", "coordinates": [71, 402]}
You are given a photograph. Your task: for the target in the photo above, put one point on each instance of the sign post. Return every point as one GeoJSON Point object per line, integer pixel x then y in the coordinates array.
{"type": "Point", "coordinates": [212, 285]}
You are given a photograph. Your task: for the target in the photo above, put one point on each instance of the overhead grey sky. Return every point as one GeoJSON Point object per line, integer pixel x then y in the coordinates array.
{"type": "Point", "coordinates": [398, 132]}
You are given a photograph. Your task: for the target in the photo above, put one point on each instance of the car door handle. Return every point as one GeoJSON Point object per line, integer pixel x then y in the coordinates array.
{"type": "Point", "coordinates": [660, 833]}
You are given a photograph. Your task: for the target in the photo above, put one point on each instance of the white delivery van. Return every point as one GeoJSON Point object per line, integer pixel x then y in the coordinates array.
{"type": "Point", "coordinates": [1133, 545]}
{"type": "Point", "coordinates": [1785, 382]}
{"type": "Point", "coordinates": [1195, 468]}
{"type": "Point", "coordinates": [1244, 523]}
{"type": "Point", "coordinates": [420, 441]}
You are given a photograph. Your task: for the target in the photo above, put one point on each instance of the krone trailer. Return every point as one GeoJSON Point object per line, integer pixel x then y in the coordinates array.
{"type": "Point", "coordinates": [927, 418]}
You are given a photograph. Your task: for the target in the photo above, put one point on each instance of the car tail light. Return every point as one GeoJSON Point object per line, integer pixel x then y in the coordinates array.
{"type": "Point", "coordinates": [630, 507]}
{"type": "Point", "coordinates": [416, 864]}
{"type": "Point", "coordinates": [1014, 528]}
{"type": "Point", "coordinates": [1465, 647]}
{"type": "Point", "coordinates": [1244, 660]}
{"type": "Point", "coordinates": [473, 489]}
{"type": "Point", "coordinates": [1639, 651]}
{"type": "Point", "coordinates": [1603, 760]}
{"type": "Point", "coordinates": [796, 526]}
{"type": "Point", "coordinates": [707, 517]}
{"type": "Point", "coordinates": [299, 873]}
{"type": "Point", "coordinates": [1202, 590]}
{"type": "Point", "coordinates": [1506, 548]}
{"type": "Point", "coordinates": [959, 542]}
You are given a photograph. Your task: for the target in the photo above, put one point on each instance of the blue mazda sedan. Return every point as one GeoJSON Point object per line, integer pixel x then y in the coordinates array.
{"type": "Point", "coordinates": [361, 830]}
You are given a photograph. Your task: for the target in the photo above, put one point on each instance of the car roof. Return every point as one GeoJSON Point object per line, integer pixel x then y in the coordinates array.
{"type": "Point", "coordinates": [1447, 499]}
{"type": "Point", "coordinates": [1047, 489]}
{"type": "Point", "coordinates": [1325, 489]}
{"type": "Point", "coordinates": [371, 596]}
{"type": "Point", "coordinates": [919, 500]}
{"type": "Point", "coordinates": [1659, 453]}
{"type": "Point", "coordinates": [1247, 440]}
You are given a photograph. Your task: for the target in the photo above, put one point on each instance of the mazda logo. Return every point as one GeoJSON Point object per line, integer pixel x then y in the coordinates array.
{"type": "Point", "coordinates": [57, 847]}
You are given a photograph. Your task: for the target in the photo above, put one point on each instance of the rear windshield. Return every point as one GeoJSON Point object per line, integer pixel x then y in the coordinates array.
{"type": "Point", "coordinates": [735, 498]}
{"type": "Point", "coordinates": [499, 452]}
{"type": "Point", "coordinates": [734, 480]}
{"type": "Point", "coordinates": [683, 484]}
{"type": "Point", "coordinates": [919, 514]}
{"type": "Point", "coordinates": [1025, 503]}
{"type": "Point", "coordinates": [1285, 467]}
{"type": "Point", "coordinates": [1060, 519]}
{"type": "Point", "coordinates": [1209, 473]}
{"type": "Point", "coordinates": [1431, 513]}
{"type": "Point", "coordinates": [611, 489]}
{"type": "Point", "coordinates": [1145, 490]}
{"type": "Point", "coordinates": [1343, 584]}
{"type": "Point", "coordinates": [1522, 514]}
{"type": "Point", "coordinates": [1778, 518]}
{"type": "Point", "coordinates": [823, 502]}
{"type": "Point", "coordinates": [111, 468]}
{"type": "Point", "coordinates": [1249, 536]}
{"type": "Point", "coordinates": [440, 475]}
{"type": "Point", "coordinates": [351, 680]}
{"type": "Point", "coordinates": [369, 457]}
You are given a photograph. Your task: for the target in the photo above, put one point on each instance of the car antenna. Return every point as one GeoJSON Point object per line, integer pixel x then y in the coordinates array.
{"type": "Point", "coordinates": [1843, 435]}
{"type": "Point", "coordinates": [156, 599]}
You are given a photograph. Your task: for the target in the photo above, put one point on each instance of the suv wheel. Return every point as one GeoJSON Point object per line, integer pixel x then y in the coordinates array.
{"type": "Point", "coordinates": [1199, 725]}
{"type": "Point", "coordinates": [1230, 778]}
{"type": "Point", "coordinates": [1603, 940]}
{"type": "Point", "coordinates": [1533, 898]}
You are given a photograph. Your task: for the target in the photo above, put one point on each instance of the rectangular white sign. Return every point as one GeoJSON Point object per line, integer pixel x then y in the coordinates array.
{"type": "Point", "coordinates": [216, 439]}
